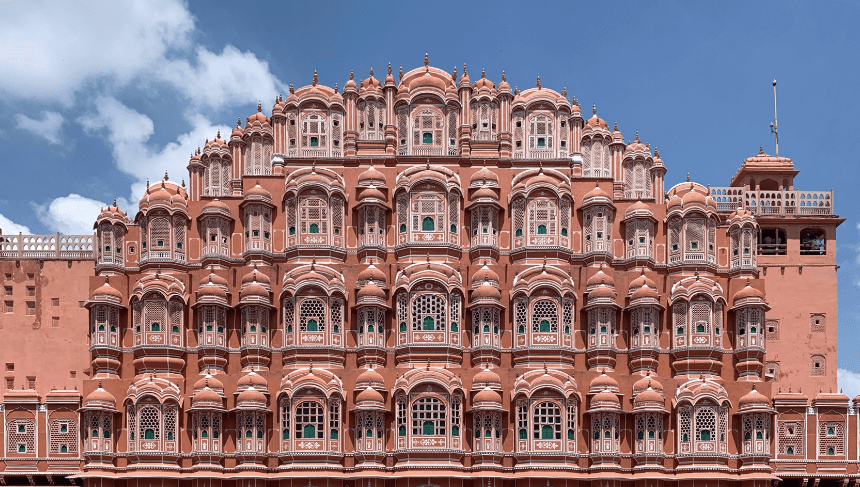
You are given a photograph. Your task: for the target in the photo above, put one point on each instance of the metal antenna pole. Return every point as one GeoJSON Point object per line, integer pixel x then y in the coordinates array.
{"type": "Point", "coordinates": [773, 127]}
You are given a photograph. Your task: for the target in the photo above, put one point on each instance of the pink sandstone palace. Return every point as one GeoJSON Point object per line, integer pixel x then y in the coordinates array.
{"type": "Point", "coordinates": [429, 281]}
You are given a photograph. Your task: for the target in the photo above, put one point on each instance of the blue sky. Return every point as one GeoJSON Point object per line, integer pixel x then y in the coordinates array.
{"type": "Point", "coordinates": [97, 97]}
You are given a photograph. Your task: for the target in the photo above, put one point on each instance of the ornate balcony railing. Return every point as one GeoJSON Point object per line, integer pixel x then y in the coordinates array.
{"type": "Point", "coordinates": [774, 203]}
{"type": "Point", "coordinates": [47, 247]}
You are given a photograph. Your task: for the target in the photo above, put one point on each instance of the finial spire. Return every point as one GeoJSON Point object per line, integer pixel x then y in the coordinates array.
{"type": "Point", "coordinates": [238, 122]}
{"type": "Point", "coordinates": [389, 67]}
{"type": "Point", "coordinates": [594, 109]}
{"type": "Point", "coordinates": [483, 75]}
{"type": "Point", "coordinates": [292, 90]}
{"type": "Point", "coordinates": [426, 59]}
{"type": "Point", "coordinates": [114, 202]}
{"type": "Point", "coordinates": [335, 87]}
{"type": "Point", "coordinates": [538, 82]}
{"type": "Point", "coordinates": [400, 73]}
{"type": "Point", "coordinates": [464, 69]}
{"type": "Point", "coordinates": [615, 129]}
{"type": "Point", "coordinates": [504, 78]}
{"type": "Point", "coordinates": [351, 75]}
{"type": "Point", "coordinates": [371, 71]}
{"type": "Point", "coordinates": [218, 135]}
{"type": "Point", "coordinates": [259, 107]}
{"type": "Point", "coordinates": [773, 126]}
{"type": "Point", "coordinates": [166, 178]}
{"type": "Point", "coordinates": [688, 177]}
{"type": "Point", "coordinates": [316, 78]}
{"type": "Point", "coordinates": [637, 136]}
{"type": "Point", "coordinates": [454, 74]}
{"type": "Point", "coordinates": [564, 92]}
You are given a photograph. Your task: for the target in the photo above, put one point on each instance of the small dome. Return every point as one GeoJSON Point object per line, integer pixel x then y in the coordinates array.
{"type": "Point", "coordinates": [100, 398]}
{"type": "Point", "coordinates": [487, 291]}
{"type": "Point", "coordinates": [638, 209]}
{"type": "Point", "coordinates": [371, 291]}
{"type": "Point", "coordinates": [211, 291]}
{"type": "Point", "coordinates": [673, 201]}
{"type": "Point", "coordinates": [605, 399]}
{"type": "Point", "coordinates": [644, 292]}
{"type": "Point", "coordinates": [482, 176]}
{"type": "Point", "coordinates": [487, 397]}
{"type": "Point", "coordinates": [253, 290]}
{"type": "Point", "coordinates": [251, 397]}
{"type": "Point", "coordinates": [252, 379]}
{"type": "Point", "coordinates": [216, 205]}
{"type": "Point", "coordinates": [748, 292]}
{"type": "Point", "coordinates": [602, 292]}
{"type": "Point", "coordinates": [487, 378]}
{"type": "Point", "coordinates": [372, 193]}
{"type": "Point", "coordinates": [256, 276]}
{"type": "Point", "coordinates": [372, 273]}
{"type": "Point", "coordinates": [258, 193]}
{"type": "Point", "coordinates": [370, 378]}
{"type": "Point", "coordinates": [646, 382]}
{"type": "Point", "coordinates": [754, 400]}
{"type": "Point", "coordinates": [369, 396]}
{"type": "Point", "coordinates": [210, 382]}
{"type": "Point", "coordinates": [213, 278]}
{"type": "Point", "coordinates": [205, 397]}
{"type": "Point", "coordinates": [484, 274]}
{"type": "Point", "coordinates": [600, 279]}
{"type": "Point", "coordinates": [372, 176]}
{"type": "Point", "coordinates": [643, 280]}
{"type": "Point", "coordinates": [485, 192]}
{"type": "Point", "coordinates": [603, 383]}
{"type": "Point", "coordinates": [648, 397]}
{"type": "Point", "coordinates": [107, 293]}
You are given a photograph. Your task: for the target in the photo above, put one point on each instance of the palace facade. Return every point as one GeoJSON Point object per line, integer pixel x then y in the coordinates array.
{"type": "Point", "coordinates": [429, 281]}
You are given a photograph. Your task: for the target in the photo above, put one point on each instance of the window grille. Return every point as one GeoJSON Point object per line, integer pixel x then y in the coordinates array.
{"type": "Point", "coordinates": [428, 417]}
{"type": "Point", "coordinates": [314, 216]}
{"type": "Point", "coordinates": [312, 313]}
{"type": "Point", "coordinates": [519, 217]}
{"type": "Point", "coordinates": [542, 217]}
{"type": "Point", "coordinates": [63, 432]}
{"type": "Point", "coordinates": [831, 439]}
{"type": "Point", "coordinates": [428, 213]}
{"type": "Point", "coordinates": [428, 312]}
{"type": "Point", "coordinates": [817, 365]}
{"type": "Point", "coordinates": [546, 421]}
{"type": "Point", "coordinates": [545, 316]}
{"type": "Point", "coordinates": [21, 432]}
{"type": "Point", "coordinates": [790, 436]}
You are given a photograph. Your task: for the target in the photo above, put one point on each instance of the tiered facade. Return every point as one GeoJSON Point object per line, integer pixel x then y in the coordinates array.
{"type": "Point", "coordinates": [434, 281]}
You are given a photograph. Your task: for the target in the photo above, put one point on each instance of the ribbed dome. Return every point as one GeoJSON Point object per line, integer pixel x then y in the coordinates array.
{"type": "Point", "coordinates": [748, 292]}
{"type": "Point", "coordinates": [487, 291]}
{"type": "Point", "coordinates": [258, 193]}
{"type": "Point", "coordinates": [210, 382]}
{"type": "Point", "coordinates": [754, 400]}
{"type": "Point", "coordinates": [372, 273]}
{"type": "Point", "coordinates": [251, 397]}
{"type": "Point", "coordinates": [602, 292]}
{"type": "Point", "coordinates": [600, 278]}
{"type": "Point", "coordinates": [597, 192]}
{"type": "Point", "coordinates": [213, 278]}
{"type": "Point", "coordinates": [206, 396]}
{"type": "Point", "coordinates": [256, 276]}
{"type": "Point", "coordinates": [372, 193]}
{"type": "Point", "coordinates": [486, 378]}
{"type": "Point", "coordinates": [646, 382]}
{"type": "Point", "coordinates": [372, 176]}
{"type": "Point", "coordinates": [253, 291]}
{"type": "Point", "coordinates": [487, 397]}
{"type": "Point", "coordinates": [106, 292]}
{"type": "Point", "coordinates": [642, 280]}
{"type": "Point", "coordinates": [603, 383]}
{"type": "Point", "coordinates": [369, 395]}
{"type": "Point", "coordinates": [485, 192]}
{"type": "Point", "coordinates": [605, 399]}
{"type": "Point", "coordinates": [484, 274]}
{"type": "Point", "coordinates": [370, 378]}
{"type": "Point", "coordinates": [484, 175]}
{"type": "Point", "coordinates": [648, 397]}
{"type": "Point", "coordinates": [252, 379]}
{"type": "Point", "coordinates": [100, 398]}
{"type": "Point", "coordinates": [644, 292]}
{"type": "Point", "coordinates": [371, 291]}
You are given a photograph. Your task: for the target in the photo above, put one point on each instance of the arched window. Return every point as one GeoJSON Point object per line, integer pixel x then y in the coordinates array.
{"type": "Point", "coordinates": [212, 323]}
{"type": "Point", "coordinates": [428, 213]}
{"type": "Point", "coordinates": [371, 115]}
{"type": "Point", "coordinates": [428, 312]}
{"type": "Point", "coordinates": [427, 127]}
{"type": "Point", "coordinates": [314, 133]}
{"type": "Point", "coordinates": [606, 430]}
{"type": "Point", "coordinates": [215, 233]}
{"type": "Point", "coordinates": [216, 177]}
{"type": "Point", "coordinates": [542, 221]}
{"type": "Point", "coordinates": [541, 130]}
{"type": "Point", "coordinates": [255, 326]}
{"type": "Point", "coordinates": [546, 421]}
{"type": "Point", "coordinates": [429, 417]}
{"type": "Point", "coordinates": [251, 431]}
{"type": "Point", "coordinates": [484, 121]}
{"type": "Point", "coordinates": [314, 216]}
{"type": "Point", "coordinates": [258, 158]}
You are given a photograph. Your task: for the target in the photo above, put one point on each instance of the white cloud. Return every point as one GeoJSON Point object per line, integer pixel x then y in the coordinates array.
{"type": "Point", "coordinates": [9, 227]}
{"type": "Point", "coordinates": [221, 79]}
{"type": "Point", "coordinates": [50, 127]}
{"type": "Point", "coordinates": [849, 382]}
{"type": "Point", "coordinates": [70, 215]}
{"type": "Point", "coordinates": [51, 50]}
{"type": "Point", "coordinates": [128, 131]}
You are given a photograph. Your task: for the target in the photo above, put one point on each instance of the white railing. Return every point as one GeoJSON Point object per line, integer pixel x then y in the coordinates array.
{"type": "Point", "coordinates": [427, 151]}
{"type": "Point", "coordinates": [46, 247]}
{"type": "Point", "coordinates": [314, 152]}
{"type": "Point", "coordinates": [773, 203]}
{"type": "Point", "coordinates": [541, 154]}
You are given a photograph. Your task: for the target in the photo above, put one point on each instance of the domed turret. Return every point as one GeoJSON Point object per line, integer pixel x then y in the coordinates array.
{"type": "Point", "coordinates": [369, 398]}
{"type": "Point", "coordinates": [370, 378]}
{"type": "Point", "coordinates": [487, 398]}
{"type": "Point", "coordinates": [252, 379]}
{"type": "Point", "coordinates": [251, 398]}
{"type": "Point", "coordinates": [100, 399]}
